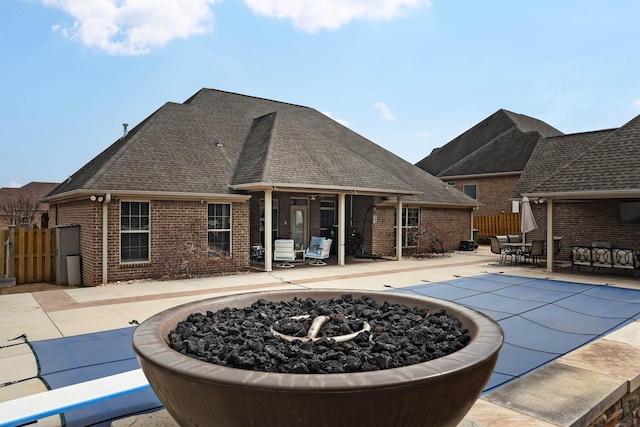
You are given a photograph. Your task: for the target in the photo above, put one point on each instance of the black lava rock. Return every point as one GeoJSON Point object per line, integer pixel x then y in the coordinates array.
{"type": "Point", "coordinates": [241, 338]}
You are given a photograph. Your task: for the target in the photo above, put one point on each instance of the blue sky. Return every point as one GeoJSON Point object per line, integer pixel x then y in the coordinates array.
{"type": "Point", "coordinates": [410, 75]}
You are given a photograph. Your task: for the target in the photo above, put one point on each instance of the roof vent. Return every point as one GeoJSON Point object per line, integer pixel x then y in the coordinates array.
{"type": "Point", "coordinates": [124, 129]}
{"type": "Point", "coordinates": [219, 143]}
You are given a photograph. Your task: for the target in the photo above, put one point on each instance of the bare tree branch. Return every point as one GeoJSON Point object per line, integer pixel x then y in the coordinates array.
{"type": "Point", "coordinates": [18, 210]}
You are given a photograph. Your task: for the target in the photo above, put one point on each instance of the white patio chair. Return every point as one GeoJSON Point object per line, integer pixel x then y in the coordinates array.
{"type": "Point", "coordinates": [319, 249]}
{"type": "Point", "coordinates": [284, 251]}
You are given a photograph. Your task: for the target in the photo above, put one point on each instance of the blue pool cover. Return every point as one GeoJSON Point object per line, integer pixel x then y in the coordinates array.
{"type": "Point", "coordinates": [542, 320]}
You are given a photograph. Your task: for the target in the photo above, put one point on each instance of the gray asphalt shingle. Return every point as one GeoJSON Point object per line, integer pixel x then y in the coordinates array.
{"type": "Point", "coordinates": [603, 161]}
{"type": "Point", "coordinates": [175, 150]}
{"type": "Point", "coordinates": [500, 143]}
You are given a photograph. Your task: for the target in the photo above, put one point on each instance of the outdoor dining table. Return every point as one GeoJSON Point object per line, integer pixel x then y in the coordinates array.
{"type": "Point", "coordinates": [518, 250]}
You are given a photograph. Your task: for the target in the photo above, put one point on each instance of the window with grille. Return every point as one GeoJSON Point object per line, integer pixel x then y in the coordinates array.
{"type": "Point", "coordinates": [410, 222]}
{"type": "Point", "coordinates": [219, 227]}
{"type": "Point", "coordinates": [134, 231]}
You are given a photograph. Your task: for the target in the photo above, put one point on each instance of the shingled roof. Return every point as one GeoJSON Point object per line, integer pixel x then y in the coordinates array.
{"type": "Point", "coordinates": [32, 191]}
{"type": "Point", "coordinates": [220, 143]}
{"type": "Point", "coordinates": [592, 164]}
{"type": "Point", "coordinates": [501, 143]}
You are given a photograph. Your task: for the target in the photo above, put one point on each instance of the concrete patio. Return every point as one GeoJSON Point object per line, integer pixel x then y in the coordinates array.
{"type": "Point", "coordinates": [573, 390]}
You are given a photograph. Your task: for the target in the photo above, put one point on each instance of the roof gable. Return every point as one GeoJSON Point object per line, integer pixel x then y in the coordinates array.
{"type": "Point", "coordinates": [504, 135]}
{"type": "Point", "coordinates": [605, 161]}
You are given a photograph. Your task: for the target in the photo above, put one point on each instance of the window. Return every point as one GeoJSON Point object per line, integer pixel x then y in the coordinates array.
{"type": "Point", "coordinates": [410, 221]}
{"type": "Point", "coordinates": [274, 220]}
{"type": "Point", "coordinates": [327, 217]}
{"type": "Point", "coordinates": [134, 231]}
{"type": "Point", "coordinates": [219, 227]}
{"type": "Point", "coordinates": [470, 190]}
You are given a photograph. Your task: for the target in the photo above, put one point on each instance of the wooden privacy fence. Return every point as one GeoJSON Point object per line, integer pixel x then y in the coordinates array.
{"type": "Point", "coordinates": [30, 254]}
{"type": "Point", "coordinates": [498, 224]}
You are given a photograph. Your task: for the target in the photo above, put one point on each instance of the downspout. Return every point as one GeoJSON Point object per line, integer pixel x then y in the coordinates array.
{"type": "Point", "coordinates": [550, 242]}
{"type": "Point", "coordinates": [341, 227]}
{"type": "Point", "coordinates": [399, 228]}
{"type": "Point", "coordinates": [105, 234]}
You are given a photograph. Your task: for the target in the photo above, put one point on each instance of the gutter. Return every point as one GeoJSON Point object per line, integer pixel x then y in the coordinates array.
{"type": "Point", "coordinates": [147, 195]}
{"type": "Point", "coordinates": [105, 234]}
{"type": "Point", "coordinates": [606, 194]}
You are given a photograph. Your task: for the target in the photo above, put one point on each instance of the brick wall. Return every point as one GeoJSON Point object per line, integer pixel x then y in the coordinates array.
{"type": "Point", "coordinates": [88, 215]}
{"type": "Point", "coordinates": [493, 192]}
{"type": "Point", "coordinates": [581, 223]}
{"type": "Point", "coordinates": [455, 223]}
{"type": "Point", "coordinates": [174, 226]}
{"type": "Point", "coordinates": [284, 215]}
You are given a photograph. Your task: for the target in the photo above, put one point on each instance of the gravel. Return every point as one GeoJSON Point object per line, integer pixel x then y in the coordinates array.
{"type": "Point", "coordinates": [242, 338]}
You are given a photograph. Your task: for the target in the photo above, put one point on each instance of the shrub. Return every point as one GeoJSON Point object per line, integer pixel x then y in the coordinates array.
{"type": "Point", "coordinates": [430, 239]}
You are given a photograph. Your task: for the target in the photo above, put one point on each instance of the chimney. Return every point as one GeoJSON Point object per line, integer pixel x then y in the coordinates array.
{"type": "Point", "coordinates": [124, 129]}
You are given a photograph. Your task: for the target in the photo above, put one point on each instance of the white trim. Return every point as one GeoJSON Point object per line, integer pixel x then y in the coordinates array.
{"type": "Point", "coordinates": [608, 194]}
{"type": "Point", "coordinates": [128, 263]}
{"type": "Point", "coordinates": [151, 195]}
{"type": "Point", "coordinates": [40, 405]}
{"type": "Point", "coordinates": [230, 229]}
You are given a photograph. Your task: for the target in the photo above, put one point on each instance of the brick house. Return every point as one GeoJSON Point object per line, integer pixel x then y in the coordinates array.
{"type": "Point", "coordinates": [195, 178]}
{"type": "Point", "coordinates": [486, 161]}
{"type": "Point", "coordinates": [22, 206]}
{"type": "Point", "coordinates": [585, 187]}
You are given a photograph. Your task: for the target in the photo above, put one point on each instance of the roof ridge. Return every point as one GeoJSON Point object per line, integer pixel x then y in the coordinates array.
{"type": "Point", "coordinates": [269, 149]}
{"type": "Point", "coordinates": [258, 98]}
{"type": "Point", "coordinates": [471, 154]}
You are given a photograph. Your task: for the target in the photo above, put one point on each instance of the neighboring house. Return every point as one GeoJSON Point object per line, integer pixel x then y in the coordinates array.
{"type": "Point", "coordinates": [195, 178]}
{"type": "Point", "coordinates": [486, 161]}
{"type": "Point", "coordinates": [588, 185]}
{"type": "Point", "coordinates": [21, 207]}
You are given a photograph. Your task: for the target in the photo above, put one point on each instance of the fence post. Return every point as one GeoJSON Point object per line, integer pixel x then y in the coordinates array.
{"type": "Point", "coordinates": [11, 249]}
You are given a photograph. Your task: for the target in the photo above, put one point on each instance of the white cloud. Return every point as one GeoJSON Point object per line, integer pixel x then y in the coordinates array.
{"type": "Point", "coordinates": [637, 103]}
{"type": "Point", "coordinates": [313, 15]}
{"type": "Point", "coordinates": [133, 27]}
{"type": "Point", "coordinates": [385, 111]}
{"type": "Point", "coordinates": [14, 184]}
{"type": "Point", "coordinates": [341, 121]}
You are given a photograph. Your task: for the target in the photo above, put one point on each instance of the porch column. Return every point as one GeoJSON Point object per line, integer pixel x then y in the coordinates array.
{"type": "Point", "coordinates": [399, 229]}
{"type": "Point", "coordinates": [268, 230]}
{"type": "Point", "coordinates": [341, 224]}
{"type": "Point", "coordinates": [550, 242]}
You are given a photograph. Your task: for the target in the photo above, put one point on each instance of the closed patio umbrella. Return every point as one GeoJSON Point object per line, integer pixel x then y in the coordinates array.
{"type": "Point", "coordinates": [527, 221]}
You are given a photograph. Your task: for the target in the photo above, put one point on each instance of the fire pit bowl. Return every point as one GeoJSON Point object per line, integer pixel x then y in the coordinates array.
{"type": "Point", "coordinates": [435, 393]}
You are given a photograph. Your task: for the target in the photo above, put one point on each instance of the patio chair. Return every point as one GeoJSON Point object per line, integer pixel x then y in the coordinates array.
{"type": "Point", "coordinates": [557, 244]}
{"type": "Point", "coordinates": [319, 249]}
{"type": "Point", "coordinates": [284, 251]}
{"type": "Point", "coordinates": [498, 249]}
{"type": "Point", "coordinates": [514, 238]}
{"type": "Point", "coordinates": [535, 252]}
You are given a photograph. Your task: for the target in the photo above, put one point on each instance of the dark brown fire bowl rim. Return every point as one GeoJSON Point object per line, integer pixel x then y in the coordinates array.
{"type": "Point", "coordinates": [151, 346]}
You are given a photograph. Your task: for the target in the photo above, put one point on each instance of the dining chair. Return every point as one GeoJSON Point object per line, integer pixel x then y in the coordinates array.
{"type": "Point", "coordinates": [498, 249]}
{"type": "Point", "coordinates": [535, 252]}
